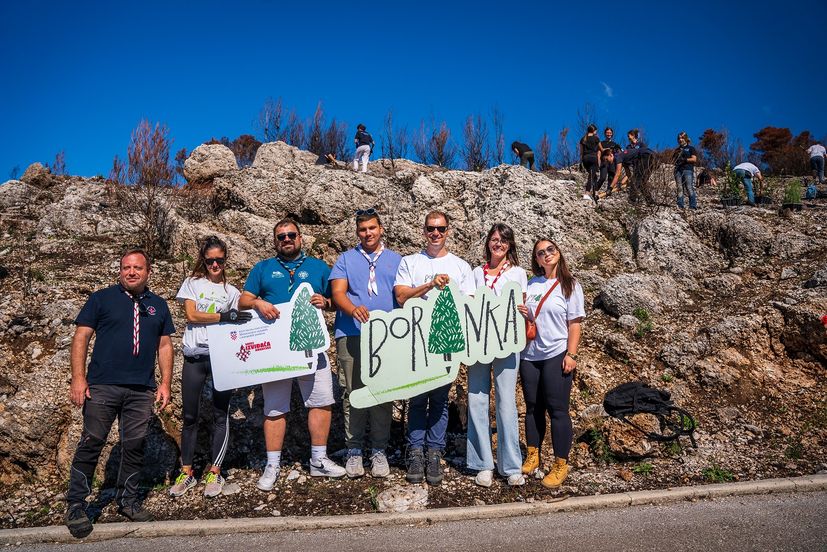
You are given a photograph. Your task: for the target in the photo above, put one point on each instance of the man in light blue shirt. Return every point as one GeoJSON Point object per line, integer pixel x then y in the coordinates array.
{"type": "Point", "coordinates": [362, 281]}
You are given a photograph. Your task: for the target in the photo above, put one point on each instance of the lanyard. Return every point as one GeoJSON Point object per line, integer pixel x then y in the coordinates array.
{"type": "Point", "coordinates": [292, 271]}
{"type": "Point", "coordinates": [136, 323]}
{"type": "Point", "coordinates": [485, 268]}
{"type": "Point", "coordinates": [372, 286]}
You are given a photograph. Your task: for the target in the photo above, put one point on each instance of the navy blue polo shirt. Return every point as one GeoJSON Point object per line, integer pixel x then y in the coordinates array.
{"type": "Point", "coordinates": [270, 279]}
{"type": "Point", "coordinates": [110, 313]}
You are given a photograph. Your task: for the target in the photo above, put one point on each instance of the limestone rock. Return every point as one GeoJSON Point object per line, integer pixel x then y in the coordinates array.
{"type": "Point", "coordinates": [402, 498]}
{"type": "Point", "coordinates": [624, 441]}
{"type": "Point", "coordinates": [625, 293]}
{"type": "Point", "coordinates": [819, 279]}
{"type": "Point", "coordinates": [37, 175]}
{"type": "Point", "coordinates": [208, 161]}
{"type": "Point", "coordinates": [274, 155]}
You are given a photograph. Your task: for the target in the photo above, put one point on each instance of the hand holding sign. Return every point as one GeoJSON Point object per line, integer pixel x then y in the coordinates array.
{"type": "Point", "coordinates": [412, 350]}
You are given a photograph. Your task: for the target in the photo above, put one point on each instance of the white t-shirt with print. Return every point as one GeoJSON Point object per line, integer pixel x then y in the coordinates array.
{"type": "Point", "coordinates": [208, 297]}
{"type": "Point", "coordinates": [552, 322]}
{"type": "Point", "coordinates": [513, 274]}
{"type": "Point", "coordinates": [420, 268]}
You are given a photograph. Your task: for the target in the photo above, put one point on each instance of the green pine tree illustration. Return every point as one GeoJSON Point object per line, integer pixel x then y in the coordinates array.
{"type": "Point", "coordinates": [445, 335]}
{"type": "Point", "coordinates": [305, 331]}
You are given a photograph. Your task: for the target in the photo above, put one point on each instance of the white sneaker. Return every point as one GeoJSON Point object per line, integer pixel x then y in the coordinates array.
{"type": "Point", "coordinates": [268, 478]}
{"type": "Point", "coordinates": [484, 478]}
{"type": "Point", "coordinates": [326, 468]}
{"type": "Point", "coordinates": [379, 465]}
{"type": "Point", "coordinates": [354, 466]}
{"type": "Point", "coordinates": [516, 480]}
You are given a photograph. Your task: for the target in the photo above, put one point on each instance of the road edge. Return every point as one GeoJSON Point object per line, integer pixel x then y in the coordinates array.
{"type": "Point", "coordinates": [108, 531]}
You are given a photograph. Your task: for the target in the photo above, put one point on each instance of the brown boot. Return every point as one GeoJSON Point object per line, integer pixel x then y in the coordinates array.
{"type": "Point", "coordinates": [532, 460]}
{"type": "Point", "coordinates": [557, 475]}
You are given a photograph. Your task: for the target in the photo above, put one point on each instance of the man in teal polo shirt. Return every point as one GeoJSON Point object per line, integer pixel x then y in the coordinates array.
{"type": "Point", "coordinates": [270, 282]}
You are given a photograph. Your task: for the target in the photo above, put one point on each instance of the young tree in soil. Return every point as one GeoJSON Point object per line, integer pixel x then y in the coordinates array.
{"type": "Point", "coordinates": [445, 335]}
{"type": "Point", "coordinates": [305, 331]}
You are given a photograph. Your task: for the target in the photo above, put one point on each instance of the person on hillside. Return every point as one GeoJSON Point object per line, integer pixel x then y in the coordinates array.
{"type": "Point", "coordinates": [362, 281]}
{"type": "Point", "coordinates": [685, 159]}
{"type": "Point", "coordinates": [501, 266]}
{"type": "Point", "coordinates": [524, 154]}
{"type": "Point", "coordinates": [746, 172]}
{"type": "Point", "coordinates": [418, 275]}
{"type": "Point", "coordinates": [207, 299]}
{"type": "Point", "coordinates": [590, 150]}
{"type": "Point", "coordinates": [817, 154]}
{"type": "Point", "coordinates": [131, 326]}
{"type": "Point", "coordinates": [554, 300]}
{"type": "Point", "coordinates": [364, 146]}
{"type": "Point", "coordinates": [270, 282]}
{"type": "Point", "coordinates": [638, 161]}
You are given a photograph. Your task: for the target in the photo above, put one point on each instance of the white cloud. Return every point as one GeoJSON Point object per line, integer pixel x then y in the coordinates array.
{"type": "Point", "coordinates": [607, 90]}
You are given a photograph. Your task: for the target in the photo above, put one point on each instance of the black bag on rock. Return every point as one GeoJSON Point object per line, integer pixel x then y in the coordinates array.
{"type": "Point", "coordinates": [637, 397]}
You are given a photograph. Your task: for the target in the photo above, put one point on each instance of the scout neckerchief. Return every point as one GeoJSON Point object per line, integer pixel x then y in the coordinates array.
{"type": "Point", "coordinates": [295, 263]}
{"type": "Point", "coordinates": [372, 287]}
{"type": "Point", "coordinates": [136, 321]}
{"type": "Point", "coordinates": [485, 268]}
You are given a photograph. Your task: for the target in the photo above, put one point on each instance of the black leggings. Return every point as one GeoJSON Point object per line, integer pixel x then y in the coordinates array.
{"type": "Point", "coordinates": [195, 372]}
{"type": "Point", "coordinates": [547, 389]}
{"type": "Point", "coordinates": [590, 164]}
{"type": "Point", "coordinates": [605, 176]}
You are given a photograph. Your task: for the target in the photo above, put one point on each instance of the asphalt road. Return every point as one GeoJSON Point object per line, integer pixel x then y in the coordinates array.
{"type": "Point", "coordinates": [758, 522]}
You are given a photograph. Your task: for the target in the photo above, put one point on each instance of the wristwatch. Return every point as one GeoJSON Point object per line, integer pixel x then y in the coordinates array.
{"type": "Point", "coordinates": [233, 315]}
{"type": "Point", "coordinates": [571, 355]}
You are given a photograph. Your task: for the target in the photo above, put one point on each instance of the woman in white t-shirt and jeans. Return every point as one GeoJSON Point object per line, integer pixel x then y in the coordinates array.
{"type": "Point", "coordinates": [501, 266]}
{"type": "Point", "coordinates": [207, 299]}
{"type": "Point", "coordinates": [548, 361]}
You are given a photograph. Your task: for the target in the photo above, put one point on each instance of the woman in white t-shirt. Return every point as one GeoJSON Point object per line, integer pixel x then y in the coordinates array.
{"type": "Point", "coordinates": [548, 362]}
{"type": "Point", "coordinates": [207, 299]}
{"type": "Point", "coordinates": [500, 267]}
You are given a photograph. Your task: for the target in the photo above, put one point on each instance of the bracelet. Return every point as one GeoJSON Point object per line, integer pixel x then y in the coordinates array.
{"type": "Point", "coordinates": [573, 356]}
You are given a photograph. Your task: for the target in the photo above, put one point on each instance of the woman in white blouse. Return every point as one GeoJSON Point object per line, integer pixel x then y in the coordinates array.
{"type": "Point", "coordinates": [500, 267]}
{"type": "Point", "coordinates": [554, 300]}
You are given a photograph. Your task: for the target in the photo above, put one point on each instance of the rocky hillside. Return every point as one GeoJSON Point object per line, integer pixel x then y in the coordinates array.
{"type": "Point", "coordinates": [721, 307]}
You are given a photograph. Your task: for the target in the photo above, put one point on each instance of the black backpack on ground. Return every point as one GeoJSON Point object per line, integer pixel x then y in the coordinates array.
{"type": "Point", "coordinates": [637, 397]}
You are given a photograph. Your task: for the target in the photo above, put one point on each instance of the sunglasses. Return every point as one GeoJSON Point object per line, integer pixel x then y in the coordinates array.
{"type": "Point", "coordinates": [440, 229]}
{"type": "Point", "coordinates": [287, 235]}
{"type": "Point", "coordinates": [219, 260]}
{"type": "Point", "coordinates": [362, 212]}
{"type": "Point", "coordinates": [548, 251]}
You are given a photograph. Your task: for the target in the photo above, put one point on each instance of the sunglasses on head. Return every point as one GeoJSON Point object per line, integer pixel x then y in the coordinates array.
{"type": "Point", "coordinates": [285, 235]}
{"type": "Point", "coordinates": [219, 260]}
{"type": "Point", "coordinates": [550, 250]}
{"type": "Point", "coordinates": [361, 212]}
{"type": "Point", "coordinates": [440, 229]}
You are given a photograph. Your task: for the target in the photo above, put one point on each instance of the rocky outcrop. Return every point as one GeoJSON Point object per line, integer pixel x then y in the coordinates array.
{"type": "Point", "coordinates": [208, 161]}
{"type": "Point", "coordinates": [37, 175]}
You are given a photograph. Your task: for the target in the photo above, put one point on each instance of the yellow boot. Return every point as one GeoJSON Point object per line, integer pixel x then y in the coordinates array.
{"type": "Point", "coordinates": [532, 460]}
{"type": "Point", "coordinates": [557, 475]}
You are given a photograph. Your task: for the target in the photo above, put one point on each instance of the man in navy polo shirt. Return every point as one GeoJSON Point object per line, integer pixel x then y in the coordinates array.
{"type": "Point", "coordinates": [362, 281]}
{"type": "Point", "coordinates": [270, 282]}
{"type": "Point", "coordinates": [131, 325]}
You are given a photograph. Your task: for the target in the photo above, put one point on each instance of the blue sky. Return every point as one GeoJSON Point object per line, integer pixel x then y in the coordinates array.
{"type": "Point", "coordinates": [79, 76]}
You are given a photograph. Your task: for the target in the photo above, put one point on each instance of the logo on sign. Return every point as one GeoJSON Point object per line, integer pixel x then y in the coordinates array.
{"type": "Point", "coordinates": [233, 335]}
{"type": "Point", "coordinates": [246, 349]}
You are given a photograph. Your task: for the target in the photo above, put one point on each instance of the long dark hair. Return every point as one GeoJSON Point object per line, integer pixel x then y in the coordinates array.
{"type": "Point", "coordinates": [200, 269]}
{"type": "Point", "coordinates": [563, 273]}
{"type": "Point", "coordinates": [507, 234]}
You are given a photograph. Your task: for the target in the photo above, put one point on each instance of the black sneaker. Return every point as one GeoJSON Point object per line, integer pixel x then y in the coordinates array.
{"type": "Point", "coordinates": [136, 512]}
{"type": "Point", "coordinates": [434, 472]}
{"type": "Point", "coordinates": [416, 466]}
{"type": "Point", "coordinates": [77, 521]}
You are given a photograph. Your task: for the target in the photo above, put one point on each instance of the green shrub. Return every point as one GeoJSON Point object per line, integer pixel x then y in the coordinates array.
{"type": "Point", "coordinates": [792, 193]}
{"type": "Point", "coordinates": [717, 474]}
{"type": "Point", "coordinates": [644, 468]}
{"type": "Point", "coordinates": [731, 184]}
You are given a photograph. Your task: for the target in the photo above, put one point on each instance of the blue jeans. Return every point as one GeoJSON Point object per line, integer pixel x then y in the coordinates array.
{"type": "Point", "coordinates": [132, 406]}
{"type": "Point", "coordinates": [479, 456]}
{"type": "Point", "coordinates": [685, 178]}
{"type": "Point", "coordinates": [746, 178]}
{"type": "Point", "coordinates": [428, 419]}
{"type": "Point", "coordinates": [817, 164]}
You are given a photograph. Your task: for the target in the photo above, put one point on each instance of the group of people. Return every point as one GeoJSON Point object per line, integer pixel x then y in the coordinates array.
{"type": "Point", "coordinates": [132, 325]}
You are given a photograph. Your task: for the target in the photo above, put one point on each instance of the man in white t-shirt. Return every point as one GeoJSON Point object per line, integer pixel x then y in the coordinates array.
{"type": "Point", "coordinates": [817, 154]}
{"type": "Point", "coordinates": [746, 172]}
{"type": "Point", "coordinates": [418, 274]}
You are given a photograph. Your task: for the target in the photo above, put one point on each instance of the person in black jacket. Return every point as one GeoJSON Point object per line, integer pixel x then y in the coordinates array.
{"type": "Point", "coordinates": [524, 153]}
{"type": "Point", "coordinates": [364, 145]}
{"type": "Point", "coordinates": [590, 150]}
{"type": "Point", "coordinates": [639, 161]}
